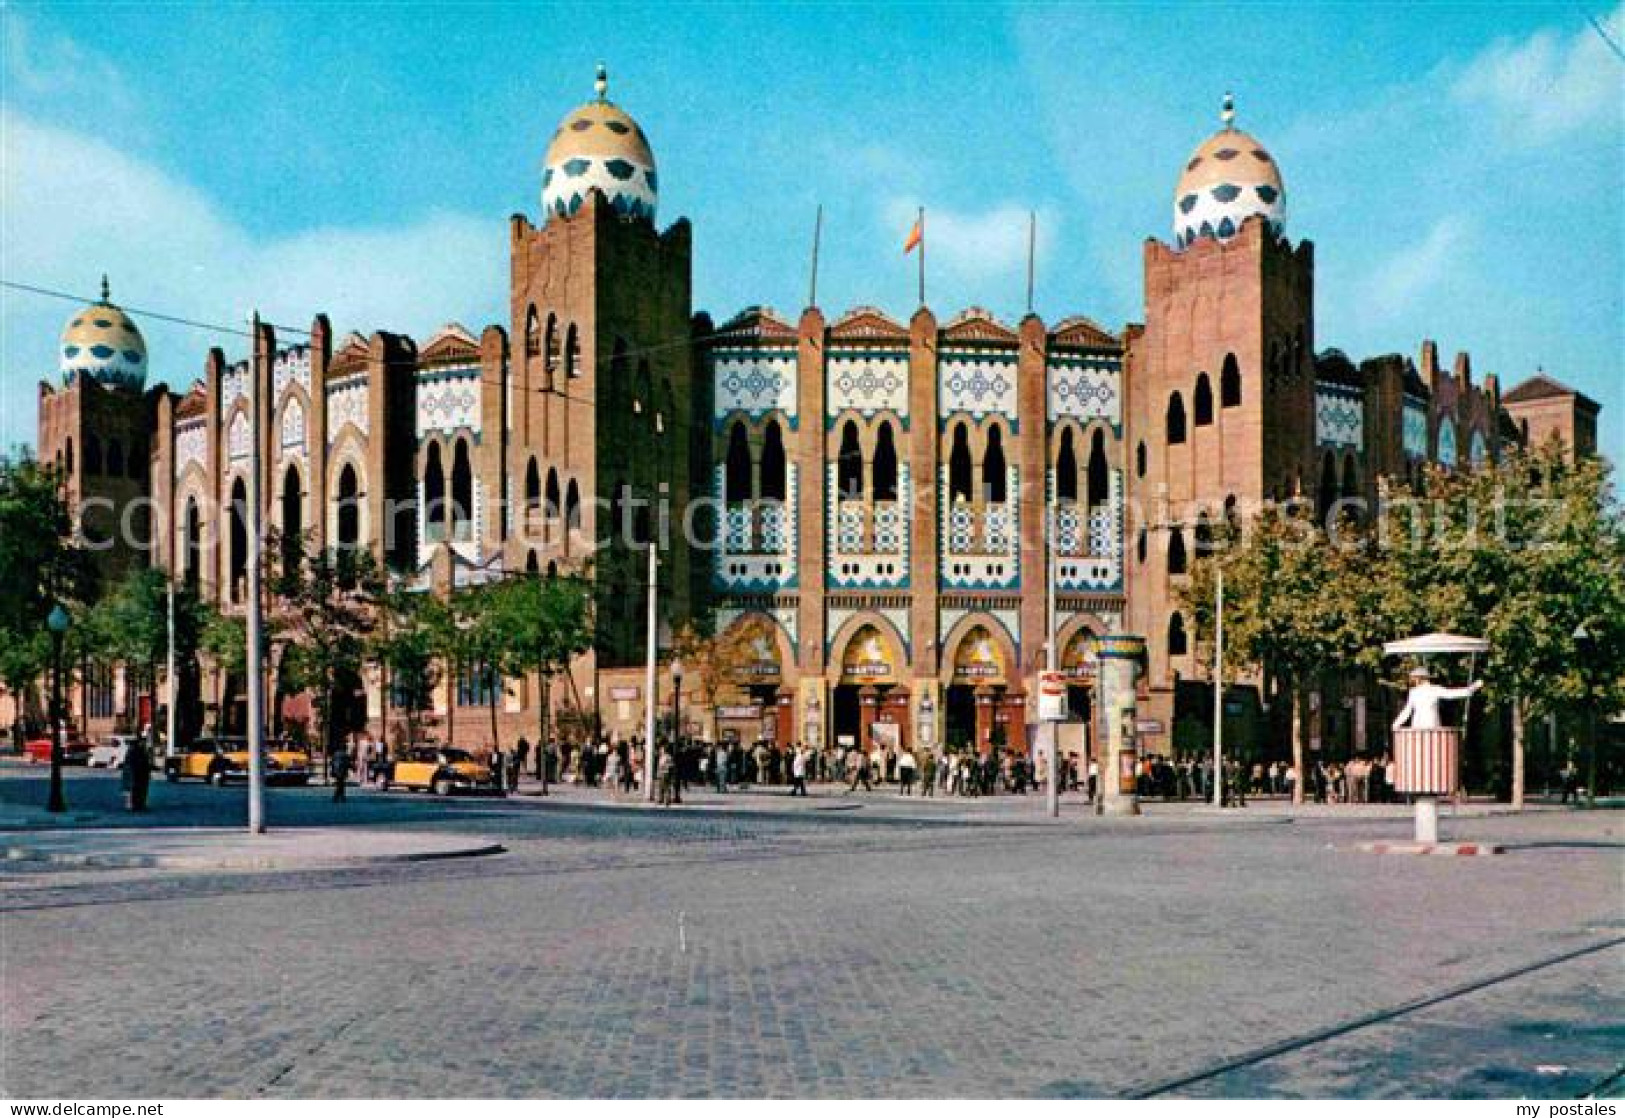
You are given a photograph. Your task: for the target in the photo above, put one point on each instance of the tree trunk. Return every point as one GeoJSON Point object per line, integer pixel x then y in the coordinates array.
{"type": "Point", "coordinates": [451, 701]}
{"type": "Point", "coordinates": [493, 684]}
{"type": "Point", "coordinates": [545, 689]}
{"type": "Point", "coordinates": [1519, 712]}
{"type": "Point", "coordinates": [1297, 745]}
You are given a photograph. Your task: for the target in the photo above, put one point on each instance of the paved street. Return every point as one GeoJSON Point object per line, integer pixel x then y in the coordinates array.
{"type": "Point", "coordinates": [624, 952]}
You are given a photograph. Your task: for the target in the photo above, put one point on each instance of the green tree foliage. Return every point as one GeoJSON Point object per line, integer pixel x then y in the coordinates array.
{"type": "Point", "coordinates": [548, 622]}
{"type": "Point", "coordinates": [324, 615]}
{"type": "Point", "coordinates": [131, 624]}
{"type": "Point", "coordinates": [409, 644]}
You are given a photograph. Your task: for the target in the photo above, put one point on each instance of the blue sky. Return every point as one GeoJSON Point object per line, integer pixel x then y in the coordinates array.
{"type": "Point", "coordinates": [1460, 167]}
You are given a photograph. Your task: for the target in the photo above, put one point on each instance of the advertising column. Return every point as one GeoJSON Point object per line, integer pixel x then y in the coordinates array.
{"type": "Point", "coordinates": [1121, 658]}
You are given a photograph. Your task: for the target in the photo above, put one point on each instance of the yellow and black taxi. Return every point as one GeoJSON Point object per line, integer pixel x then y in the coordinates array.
{"type": "Point", "coordinates": [441, 769]}
{"type": "Point", "coordinates": [219, 760]}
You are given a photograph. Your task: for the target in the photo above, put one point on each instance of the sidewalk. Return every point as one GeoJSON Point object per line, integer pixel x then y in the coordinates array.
{"type": "Point", "coordinates": [235, 849]}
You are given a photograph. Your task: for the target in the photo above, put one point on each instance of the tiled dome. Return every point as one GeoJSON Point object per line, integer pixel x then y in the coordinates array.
{"type": "Point", "coordinates": [102, 343]}
{"type": "Point", "coordinates": [599, 145]}
{"type": "Point", "coordinates": [1228, 179]}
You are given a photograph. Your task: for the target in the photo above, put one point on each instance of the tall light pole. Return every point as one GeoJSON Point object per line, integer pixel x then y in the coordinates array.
{"type": "Point", "coordinates": [1583, 642]}
{"type": "Point", "coordinates": [256, 677]}
{"type": "Point", "coordinates": [676, 730]}
{"type": "Point", "coordinates": [651, 754]}
{"type": "Point", "coordinates": [1218, 687]}
{"type": "Point", "coordinates": [170, 668]}
{"type": "Point", "coordinates": [1052, 793]}
{"type": "Point", "coordinates": [57, 623]}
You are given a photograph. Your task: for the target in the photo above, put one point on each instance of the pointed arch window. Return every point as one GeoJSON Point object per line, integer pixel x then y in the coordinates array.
{"type": "Point", "coordinates": [533, 334]}
{"type": "Point", "coordinates": [1178, 642]}
{"type": "Point", "coordinates": [554, 503]}
{"type": "Point", "coordinates": [1099, 478]}
{"type": "Point", "coordinates": [533, 490]}
{"type": "Point", "coordinates": [462, 491]}
{"type": "Point", "coordinates": [1230, 382]}
{"type": "Point", "coordinates": [349, 508]}
{"type": "Point", "coordinates": [293, 517]}
{"type": "Point", "coordinates": [239, 541]}
{"type": "Point", "coordinates": [1066, 469]}
{"type": "Point", "coordinates": [1202, 403]}
{"type": "Point", "coordinates": [1178, 564]}
{"type": "Point", "coordinates": [959, 467]}
{"type": "Point", "coordinates": [995, 482]}
{"type": "Point", "coordinates": [434, 493]}
{"type": "Point", "coordinates": [736, 487]}
{"type": "Point", "coordinates": [1176, 419]}
{"type": "Point", "coordinates": [885, 467]}
{"type": "Point", "coordinates": [194, 545]}
{"type": "Point", "coordinates": [572, 507]}
{"type": "Point", "coordinates": [849, 464]}
{"type": "Point", "coordinates": [572, 353]}
{"type": "Point", "coordinates": [774, 481]}
{"type": "Point", "coordinates": [550, 362]}
{"type": "Point", "coordinates": [1139, 459]}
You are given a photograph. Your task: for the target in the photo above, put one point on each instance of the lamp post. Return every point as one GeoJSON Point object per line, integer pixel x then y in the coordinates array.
{"type": "Point", "coordinates": [676, 731]}
{"type": "Point", "coordinates": [1584, 643]}
{"type": "Point", "coordinates": [57, 623]}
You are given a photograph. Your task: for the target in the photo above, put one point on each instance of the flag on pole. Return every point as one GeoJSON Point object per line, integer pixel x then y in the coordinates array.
{"type": "Point", "coordinates": [916, 236]}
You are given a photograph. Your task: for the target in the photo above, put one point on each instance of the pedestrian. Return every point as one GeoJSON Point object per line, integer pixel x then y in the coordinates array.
{"type": "Point", "coordinates": [857, 766]}
{"type": "Point", "coordinates": [515, 763]}
{"type": "Point", "coordinates": [338, 767]}
{"type": "Point", "coordinates": [522, 753]}
{"type": "Point", "coordinates": [928, 775]}
{"type": "Point", "coordinates": [136, 775]}
{"type": "Point", "coordinates": [798, 772]}
{"type": "Point", "coordinates": [906, 767]}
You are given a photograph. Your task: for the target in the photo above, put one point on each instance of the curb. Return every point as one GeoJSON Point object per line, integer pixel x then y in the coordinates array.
{"type": "Point", "coordinates": [252, 862]}
{"type": "Point", "coordinates": [1436, 849]}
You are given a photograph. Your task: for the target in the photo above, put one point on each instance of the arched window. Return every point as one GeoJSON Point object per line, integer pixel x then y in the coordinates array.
{"type": "Point", "coordinates": [531, 566]}
{"type": "Point", "coordinates": [1232, 518]}
{"type": "Point", "coordinates": [885, 468]}
{"type": "Point", "coordinates": [533, 489]}
{"type": "Point", "coordinates": [68, 455]}
{"type": "Point", "coordinates": [572, 353]}
{"type": "Point", "coordinates": [1140, 546]}
{"type": "Point", "coordinates": [115, 458]}
{"type": "Point", "coordinates": [995, 483]}
{"type": "Point", "coordinates": [1327, 493]}
{"type": "Point", "coordinates": [959, 468]}
{"type": "Point", "coordinates": [93, 454]}
{"type": "Point", "coordinates": [736, 474]}
{"type": "Point", "coordinates": [1139, 459]}
{"type": "Point", "coordinates": [1204, 536]}
{"type": "Point", "coordinates": [434, 493]}
{"type": "Point", "coordinates": [572, 507]}
{"type": "Point", "coordinates": [1178, 644]}
{"type": "Point", "coordinates": [552, 568]}
{"type": "Point", "coordinates": [774, 483]}
{"type": "Point", "coordinates": [193, 548]}
{"type": "Point", "coordinates": [849, 464]}
{"type": "Point", "coordinates": [1099, 483]}
{"type": "Point", "coordinates": [239, 541]}
{"type": "Point", "coordinates": [555, 504]}
{"type": "Point", "coordinates": [1230, 383]}
{"type": "Point", "coordinates": [533, 333]}
{"type": "Point", "coordinates": [550, 365]}
{"type": "Point", "coordinates": [1176, 419]}
{"type": "Point", "coordinates": [1066, 469]}
{"type": "Point", "coordinates": [349, 508]}
{"type": "Point", "coordinates": [1202, 404]}
{"type": "Point", "coordinates": [1177, 564]}
{"type": "Point", "coordinates": [293, 519]}
{"type": "Point", "coordinates": [462, 491]}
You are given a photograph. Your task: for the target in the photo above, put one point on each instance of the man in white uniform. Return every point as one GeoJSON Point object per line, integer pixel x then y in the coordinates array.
{"type": "Point", "coordinates": [1422, 702]}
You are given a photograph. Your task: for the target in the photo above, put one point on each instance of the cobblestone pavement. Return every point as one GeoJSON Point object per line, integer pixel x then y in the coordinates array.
{"type": "Point", "coordinates": [630, 954]}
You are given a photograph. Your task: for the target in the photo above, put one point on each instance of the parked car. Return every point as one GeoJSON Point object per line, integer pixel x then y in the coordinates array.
{"type": "Point", "coordinates": [442, 770]}
{"type": "Point", "coordinates": [109, 754]}
{"type": "Point", "coordinates": [219, 760]}
{"type": "Point", "coordinates": [75, 750]}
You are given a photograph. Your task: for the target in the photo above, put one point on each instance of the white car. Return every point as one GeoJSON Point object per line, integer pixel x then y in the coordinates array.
{"type": "Point", "coordinates": [109, 754]}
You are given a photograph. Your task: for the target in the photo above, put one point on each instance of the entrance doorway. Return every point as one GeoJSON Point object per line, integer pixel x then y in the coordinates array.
{"type": "Point", "coordinates": [846, 716]}
{"type": "Point", "coordinates": [959, 716]}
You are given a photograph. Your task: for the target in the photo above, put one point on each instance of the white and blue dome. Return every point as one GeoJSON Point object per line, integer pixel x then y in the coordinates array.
{"type": "Point", "coordinates": [102, 343]}
{"type": "Point", "coordinates": [599, 145]}
{"type": "Point", "coordinates": [1228, 179]}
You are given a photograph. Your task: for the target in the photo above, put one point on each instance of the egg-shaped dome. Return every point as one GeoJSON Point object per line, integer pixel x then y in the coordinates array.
{"type": "Point", "coordinates": [599, 145]}
{"type": "Point", "coordinates": [1228, 179]}
{"type": "Point", "coordinates": [102, 343]}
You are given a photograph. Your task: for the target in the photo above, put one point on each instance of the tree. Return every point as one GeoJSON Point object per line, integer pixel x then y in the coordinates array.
{"type": "Point", "coordinates": [408, 646]}
{"type": "Point", "coordinates": [713, 662]}
{"type": "Point", "coordinates": [224, 639]}
{"type": "Point", "coordinates": [131, 625]}
{"type": "Point", "coordinates": [324, 615]}
{"type": "Point", "coordinates": [548, 622]}
{"type": "Point", "coordinates": [479, 643]}
{"type": "Point", "coordinates": [42, 565]}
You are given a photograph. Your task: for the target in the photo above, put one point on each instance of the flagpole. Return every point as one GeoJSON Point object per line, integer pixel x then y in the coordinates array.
{"type": "Point", "coordinates": [1032, 249]}
{"type": "Point", "coordinates": [818, 233]}
{"type": "Point", "coordinates": [921, 222]}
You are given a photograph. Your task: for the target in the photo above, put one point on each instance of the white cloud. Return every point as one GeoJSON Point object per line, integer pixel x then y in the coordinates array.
{"type": "Point", "coordinates": [73, 206]}
{"type": "Point", "coordinates": [1397, 282]}
{"type": "Point", "coordinates": [1547, 86]}
{"type": "Point", "coordinates": [966, 245]}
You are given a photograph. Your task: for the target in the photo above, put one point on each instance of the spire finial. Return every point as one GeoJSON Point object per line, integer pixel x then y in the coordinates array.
{"type": "Point", "coordinates": [601, 83]}
{"type": "Point", "coordinates": [1227, 114]}
{"type": "Point", "coordinates": [106, 291]}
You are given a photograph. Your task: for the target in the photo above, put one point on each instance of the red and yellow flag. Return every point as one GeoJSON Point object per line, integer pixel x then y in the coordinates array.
{"type": "Point", "coordinates": [915, 236]}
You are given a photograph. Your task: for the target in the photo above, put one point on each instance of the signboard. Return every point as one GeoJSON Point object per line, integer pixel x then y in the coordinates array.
{"type": "Point", "coordinates": [750, 712]}
{"type": "Point", "coordinates": [1052, 696]}
{"type": "Point", "coordinates": [623, 694]}
{"type": "Point", "coordinates": [1149, 726]}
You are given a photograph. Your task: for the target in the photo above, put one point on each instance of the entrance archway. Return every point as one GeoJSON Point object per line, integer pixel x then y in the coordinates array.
{"type": "Point", "coordinates": [871, 666]}
{"type": "Point", "coordinates": [977, 700]}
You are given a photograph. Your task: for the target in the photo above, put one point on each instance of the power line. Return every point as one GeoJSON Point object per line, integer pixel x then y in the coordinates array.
{"type": "Point", "coordinates": [82, 300]}
{"type": "Point", "coordinates": [1602, 34]}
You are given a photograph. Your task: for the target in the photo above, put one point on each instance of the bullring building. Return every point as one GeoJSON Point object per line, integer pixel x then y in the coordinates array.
{"type": "Point", "coordinates": [877, 488]}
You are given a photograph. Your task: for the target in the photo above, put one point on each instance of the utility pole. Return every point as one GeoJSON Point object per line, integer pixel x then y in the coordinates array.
{"type": "Point", "coordinates": [1218, 688]}
{"type": "Point", "coordinates": [651, 753]}
{"type": "Point", "coordinates": [169, 674]}
{"type": "Point", "coordinates": [256, 676]}
{"type": "Point", "coordinates": [1052, 794]}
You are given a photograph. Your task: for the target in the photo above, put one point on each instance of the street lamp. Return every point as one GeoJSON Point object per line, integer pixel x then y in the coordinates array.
{"type": "Point", "coordinates": [1584, 643]}
{"type": "Point", "coordinates": [676, 730]}
{"type": "Point", "coordinates": [57, 623]}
